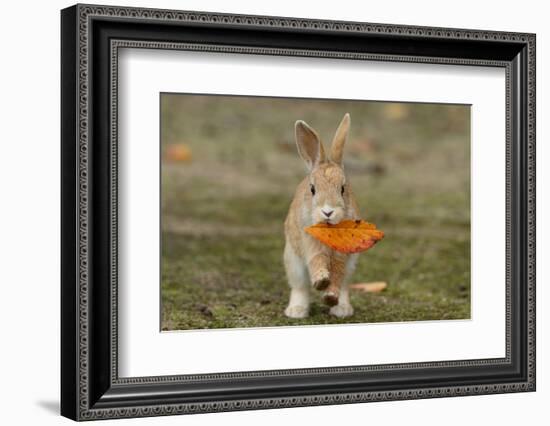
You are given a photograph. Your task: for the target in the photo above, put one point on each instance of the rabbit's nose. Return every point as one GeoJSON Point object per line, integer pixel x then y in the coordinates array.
{"type": "Point", "coordinates": [328, 214]}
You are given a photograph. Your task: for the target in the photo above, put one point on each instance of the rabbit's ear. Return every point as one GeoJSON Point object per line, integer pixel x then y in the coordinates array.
{"type": "Point", "coordinates": [309, 145]}
{"type": "Point", "coordinates": [337, 147]}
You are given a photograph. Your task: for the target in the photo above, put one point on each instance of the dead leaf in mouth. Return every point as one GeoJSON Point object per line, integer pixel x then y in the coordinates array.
{"type": "Point", "coordinates": [348, 236]}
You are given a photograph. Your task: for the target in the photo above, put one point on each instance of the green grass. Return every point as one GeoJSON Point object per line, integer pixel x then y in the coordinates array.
{"type": "Point", "coordinates": [223, 212]}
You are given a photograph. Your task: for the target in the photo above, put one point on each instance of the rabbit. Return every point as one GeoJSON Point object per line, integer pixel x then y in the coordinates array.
{"type": "Point", "coordinates": [325, 195]}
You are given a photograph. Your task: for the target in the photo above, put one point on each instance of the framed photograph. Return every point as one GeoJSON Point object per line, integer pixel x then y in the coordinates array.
{"type": "Point", "coordinates": [263, 212]}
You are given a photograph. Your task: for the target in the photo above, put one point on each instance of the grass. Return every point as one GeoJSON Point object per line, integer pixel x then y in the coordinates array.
{"type": "Point", "coordinates": [223, 212]}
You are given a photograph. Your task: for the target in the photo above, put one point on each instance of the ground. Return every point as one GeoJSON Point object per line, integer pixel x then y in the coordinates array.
{"type": "Point", "coordinates": [223, 209]}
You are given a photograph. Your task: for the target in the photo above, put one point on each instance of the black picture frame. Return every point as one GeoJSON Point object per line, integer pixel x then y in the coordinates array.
{"type": "Point", "coordinates": [90, 386]}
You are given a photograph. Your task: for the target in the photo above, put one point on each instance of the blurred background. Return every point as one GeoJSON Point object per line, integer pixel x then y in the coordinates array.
{"type": "Point", "coordinates": [229, 171]}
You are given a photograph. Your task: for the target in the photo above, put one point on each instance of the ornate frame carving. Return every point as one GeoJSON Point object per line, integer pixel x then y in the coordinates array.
{"type": "Point", "coordinates": [86, 397]}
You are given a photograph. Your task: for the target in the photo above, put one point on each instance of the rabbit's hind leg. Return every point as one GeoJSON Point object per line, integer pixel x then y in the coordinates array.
{"type": "Point", "coordinates": [343, 309]}
{"type": "Point", "coordinates": [298, 280]}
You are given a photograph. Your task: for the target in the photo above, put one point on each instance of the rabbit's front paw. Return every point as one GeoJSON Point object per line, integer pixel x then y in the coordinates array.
{"type": "Point", "coordinates": [342, 311]}
{"type": "Point", "coordinates": [321, 280]}
{"type": "Point", "coordinates": [297, 311]}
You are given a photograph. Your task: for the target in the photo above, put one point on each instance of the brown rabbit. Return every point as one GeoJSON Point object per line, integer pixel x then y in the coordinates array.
{"type": "Point", "coordinates": [323, 196]}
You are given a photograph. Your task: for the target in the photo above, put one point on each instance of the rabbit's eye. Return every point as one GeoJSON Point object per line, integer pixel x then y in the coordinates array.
{"type": "Point", "coordinates": [342, 190]}
{"type": "Point", "coordinates": [312, 189]}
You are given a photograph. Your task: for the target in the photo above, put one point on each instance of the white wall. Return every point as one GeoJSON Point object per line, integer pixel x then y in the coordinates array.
{"type": "Point", "coordinates": [29, 229]}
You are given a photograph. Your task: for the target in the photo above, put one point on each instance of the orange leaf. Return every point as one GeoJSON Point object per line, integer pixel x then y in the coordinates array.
{"type": "Point", "coordinates": [348, 236]}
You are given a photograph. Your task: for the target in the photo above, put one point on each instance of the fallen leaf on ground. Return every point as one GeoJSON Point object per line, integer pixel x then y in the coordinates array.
{"type": "Point", "coordinates": [348, 236]}
{"type": "Point", "coordinates": [177, 152]}
{"type": "Point", "coordinates": [374, 287]}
